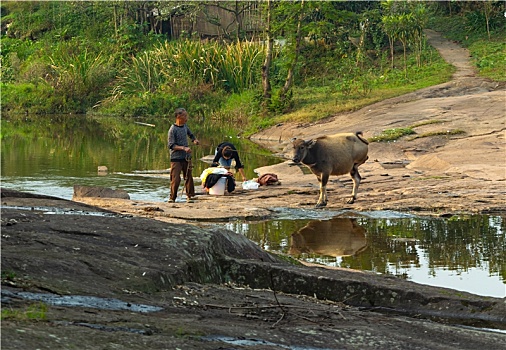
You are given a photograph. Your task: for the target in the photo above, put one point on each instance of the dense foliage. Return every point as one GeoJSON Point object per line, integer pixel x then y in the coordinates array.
{"type": "Point", "coordinates": [112, 58]}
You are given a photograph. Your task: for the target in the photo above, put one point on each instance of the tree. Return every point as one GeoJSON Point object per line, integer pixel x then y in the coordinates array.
{"type": "Point", "coordinates": [268, 56]}
{"type": "Point", "coordinates": [404, 21]}
{"type": "Point", "coordinates": [487, 11]}
{"type": "Point", "coordinates": [323, 23]}
{"type": "Point", "coordinates": [295, 57]}
{"type": "Point", "coordinates": [417, 36]}
{"type": "Point", "coordinates": [391, 30]}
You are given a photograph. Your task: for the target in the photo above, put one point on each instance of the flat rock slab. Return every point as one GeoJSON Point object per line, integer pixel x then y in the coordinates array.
{"type": "Point", "coordinates": [215, 287]}
{"type": "Point", "coordinates": [99, 192]}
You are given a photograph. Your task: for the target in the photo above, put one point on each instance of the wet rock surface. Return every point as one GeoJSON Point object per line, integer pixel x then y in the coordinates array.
{"type": "Point", "coordinates": [208, 288]}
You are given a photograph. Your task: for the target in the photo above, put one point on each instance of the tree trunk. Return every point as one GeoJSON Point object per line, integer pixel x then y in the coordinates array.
{"type": "Point", "coordinates": [289, 76]}
{"type": "Point", "coordinates": [115, 20]}
{"type": "Point", "coordinates": [391, 42]}
{"type": "Point", "coordinates": [405, 60]}
{"type": "Point", "coordinates": [268, 56]}
{"type": "Point", "coordinates": [487, 10]}
{"type": "Point", "coordinates": [238, 21]}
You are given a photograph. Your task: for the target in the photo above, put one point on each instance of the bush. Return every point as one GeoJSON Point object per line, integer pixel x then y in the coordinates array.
{"type": "Point", "coordinates": [143, 105]}
{"type": "Point", "coordinates": [238, 108]}
{"type": "Point", "coordinates": [490, 58]}
{"type": "Point", "coordinates": [28, 98]}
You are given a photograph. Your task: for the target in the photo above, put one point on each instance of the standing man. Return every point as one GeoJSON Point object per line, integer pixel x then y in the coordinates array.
{"type": "Point", "coordinates": [180, 156]}
{"type": "Point", "coordinates": [225, 153]}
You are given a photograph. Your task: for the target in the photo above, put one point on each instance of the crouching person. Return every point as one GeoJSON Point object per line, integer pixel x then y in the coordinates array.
{"type": "Point", "coordinates": [225, 153]}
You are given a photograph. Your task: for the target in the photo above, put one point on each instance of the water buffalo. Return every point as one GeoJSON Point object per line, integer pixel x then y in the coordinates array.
{"type": "Point", "coordinates": [332, 155]}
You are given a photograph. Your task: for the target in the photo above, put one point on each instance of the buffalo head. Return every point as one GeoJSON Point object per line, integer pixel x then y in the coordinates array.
{"type": "Point", "coordinates": [300, 149]}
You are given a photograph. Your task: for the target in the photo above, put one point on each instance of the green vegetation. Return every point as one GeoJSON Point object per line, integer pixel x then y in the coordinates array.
{"type": "Point", "coordinates": [392, 134]}
{"type": "Point", "coordinates": [287, 258]}
{"type": "Point", "coordinates": [430, 178]}
{"type": "Point", "coordinates": [108, 58]}
{"type": "Point", "coordinates": [33, 312]}
{"type": "Point", "coordinates": [439, 133]}
{"type": "Point", "coordinates": [469, 28]}
{"type": "Point", "coordinates": [396, 133]}
{"type": "Point", "coordinates": [428, 122]}
{"type": "Point", "coordinates": [8, 276]}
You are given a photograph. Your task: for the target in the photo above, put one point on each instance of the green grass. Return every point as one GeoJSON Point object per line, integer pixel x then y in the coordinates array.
{"type": "Point", "coordinates": [428, 122]}
{"type": "Point", "coordinates": [312, 103]}
{"type": "Point", "coordinates": [396, 133]}
{"type": "Point", "coordinates": [33, 312]}
{"type": "Point", "coordinates": [288, 259]}
{"type": "Point", "coordinates": [392, 134]}
{"type": "Point", "coordinates": [438, 133]}
{"type": "Point", "coordinates": [490, 58]}
{"type": "Point", "coordinates": [315, 104]}
{"type": "Point", "coordinates": [8, 275]}
{"type": "Point", "coordinates": [430, 178]}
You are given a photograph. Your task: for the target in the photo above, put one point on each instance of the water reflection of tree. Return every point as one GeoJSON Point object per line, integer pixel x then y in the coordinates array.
{"type": "Point", "coordinates": [79, 143]}
{"type": "Point", "coordinates": [458, 244]}
{"type": "Point", "coordinates": [384, 252]}
{"type": "Point", "coordinates": [395, 245]}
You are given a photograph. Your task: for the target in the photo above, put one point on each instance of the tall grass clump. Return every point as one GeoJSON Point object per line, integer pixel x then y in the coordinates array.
{"type": "Point", "coordinates": [240, 66]}
{"type": "Point", "coordinates": [231, 67]}
{"type": "Point", "coordinates": [78, 76]}
{"type": "Point", "coordinates": [60, 78]}
{"type": "Point", "coordinates": [196, 71]}
{"type": "Point", "coordinates": [145, 74]}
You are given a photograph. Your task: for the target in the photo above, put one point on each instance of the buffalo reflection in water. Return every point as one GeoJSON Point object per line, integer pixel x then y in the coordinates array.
{"type": "Point", "coordinates": [334, 237]}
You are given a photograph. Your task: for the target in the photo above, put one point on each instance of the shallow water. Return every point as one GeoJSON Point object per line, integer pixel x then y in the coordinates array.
{"type": "Point", "coordinates": [60, 211]}
{"type": "Point", "coordinates": [81, 301]}
{"type": "Point", "coordinates": [50, 154]}
{"type": "Point", "coordinates": [466, 253]}
{"type": "Point", "coordinates": [243, 341]}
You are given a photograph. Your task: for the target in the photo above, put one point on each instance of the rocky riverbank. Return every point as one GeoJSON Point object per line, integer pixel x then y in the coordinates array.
{"type": "Point", "coordinates": [207, 288]}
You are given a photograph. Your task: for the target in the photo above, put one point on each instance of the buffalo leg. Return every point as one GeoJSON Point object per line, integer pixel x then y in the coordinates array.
{"type": "Point", "coordinates": [322, 200]}
{"type": "Point", "coordinates": [355, 176]}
